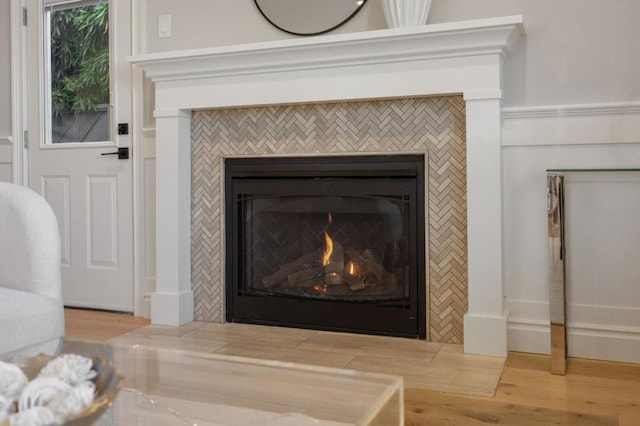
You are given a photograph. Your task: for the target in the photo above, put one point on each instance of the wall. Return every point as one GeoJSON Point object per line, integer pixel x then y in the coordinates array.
{"type": "Point", "coordinates": [572, 99]}
{"type": "Point", "coordinates": [6, 149]}
{"type": "Point", "coordinates": [576, 51]}
{"type": "Point", "coordinates": [603, 245]}
{"type": "Point", "coordinates": [578, 61]}
{"type": "Point", "coordinates": [205, 23]}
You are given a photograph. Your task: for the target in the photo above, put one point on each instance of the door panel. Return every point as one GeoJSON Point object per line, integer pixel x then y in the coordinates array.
{"type": "Point", "coordinates": [55, 189]}
{"type": "Point", "coordinates": [102, 219]}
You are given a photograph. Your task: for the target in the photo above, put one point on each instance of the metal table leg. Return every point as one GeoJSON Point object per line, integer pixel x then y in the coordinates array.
{"type": "Point", "coordinates": [557, 278]}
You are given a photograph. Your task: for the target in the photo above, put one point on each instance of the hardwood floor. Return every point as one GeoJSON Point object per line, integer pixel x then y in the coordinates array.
{"type": "Point", "coordinates": [592, 392]}
{"type": "Point", "coordinates": [100, 325]}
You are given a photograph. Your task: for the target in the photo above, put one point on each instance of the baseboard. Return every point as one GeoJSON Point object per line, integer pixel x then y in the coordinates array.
{"type": "Point", "coordinates": [532, 336]}
{"type": "Point", "coordinates": [584, 340]}
{"type": "Point", "coordinates": [587, 341]}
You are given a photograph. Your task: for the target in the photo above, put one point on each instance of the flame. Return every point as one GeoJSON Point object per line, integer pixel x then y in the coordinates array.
{"type": "Point", "coordinates": [352, 268]}
{"type": "Point", "coordinates": [328, 247]}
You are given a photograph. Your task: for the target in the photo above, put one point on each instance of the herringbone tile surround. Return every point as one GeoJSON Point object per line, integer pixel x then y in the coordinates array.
{"type": "Point", "coordinates": [431, 125]}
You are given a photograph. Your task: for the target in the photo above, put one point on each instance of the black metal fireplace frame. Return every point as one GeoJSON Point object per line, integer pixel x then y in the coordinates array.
{"type": "Point", "coordinates": [323, 314]}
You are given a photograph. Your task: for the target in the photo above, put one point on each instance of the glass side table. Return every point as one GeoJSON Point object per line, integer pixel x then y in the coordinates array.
{"type": "Point", "coordinates": [557, 253]}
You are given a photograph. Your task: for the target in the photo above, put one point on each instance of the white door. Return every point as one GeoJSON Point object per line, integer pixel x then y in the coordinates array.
{"type": "Point", "coordinates": [73, 118]}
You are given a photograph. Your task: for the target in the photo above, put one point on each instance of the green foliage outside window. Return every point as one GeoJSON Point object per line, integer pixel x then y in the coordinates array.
{"type": "Point", "coordinates": [79, 58]}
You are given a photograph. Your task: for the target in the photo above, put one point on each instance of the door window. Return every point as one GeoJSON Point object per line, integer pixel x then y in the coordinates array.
{"type": "Point", "coordinates": [77, 71]}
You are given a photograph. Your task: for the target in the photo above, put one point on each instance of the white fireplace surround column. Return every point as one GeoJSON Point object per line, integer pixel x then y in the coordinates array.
{"type": "Point", "coordinates": [452, 58]}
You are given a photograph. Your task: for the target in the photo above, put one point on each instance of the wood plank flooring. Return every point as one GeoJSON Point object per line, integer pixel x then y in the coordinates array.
{"type": "Point", "coordinates": [592, 393]}
{"type": "Point", "coordinates": [100, 325]}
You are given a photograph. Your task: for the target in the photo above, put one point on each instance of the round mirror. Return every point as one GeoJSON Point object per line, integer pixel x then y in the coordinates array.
{"type": "Point", "coordinates": [308, 17]}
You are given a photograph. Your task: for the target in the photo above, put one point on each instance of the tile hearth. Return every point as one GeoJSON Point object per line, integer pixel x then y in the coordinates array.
{"type": "Point", "coordinates": [424, 365]}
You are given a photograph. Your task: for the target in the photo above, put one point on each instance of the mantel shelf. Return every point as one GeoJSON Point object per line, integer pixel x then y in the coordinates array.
{"type": "Point", "coordinates": [454, 39]}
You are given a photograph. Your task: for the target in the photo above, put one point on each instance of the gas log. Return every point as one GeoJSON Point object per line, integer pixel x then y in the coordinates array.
{"type": "Point", "coordinates": [354, 282]}
{"type": "Point", "coordinates": [345, 271]}
{"type": "Point", "coordinates": [308, 270]}
{"type": "Point", "coordinates": [314, 274]}
{"type": "Point", "coordinates": [367, 265]}
{"type": "Point", "coordinates": [307, 261]}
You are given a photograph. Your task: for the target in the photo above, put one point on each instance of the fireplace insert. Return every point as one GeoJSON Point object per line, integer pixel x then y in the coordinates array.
{"type": "Point", "coordinates": [332, 243]}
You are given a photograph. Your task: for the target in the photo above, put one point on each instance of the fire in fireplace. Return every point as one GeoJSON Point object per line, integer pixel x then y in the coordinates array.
{"type": "Point", "coordinates": [332, 271]}
{"type": "Point", "coordinates": [333, 243]}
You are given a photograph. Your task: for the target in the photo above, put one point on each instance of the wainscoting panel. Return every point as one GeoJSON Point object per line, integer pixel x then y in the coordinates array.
{"type": "Point", "coordinates": [603, 298]}
{"type": "Point", "coordinates": [432, 125]}
{"type": "Point", "coordinates": [6, 159]}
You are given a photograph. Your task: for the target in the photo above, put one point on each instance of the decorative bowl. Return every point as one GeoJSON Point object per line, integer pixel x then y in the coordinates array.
{"type": "Point", "coordinates": [107, 382]}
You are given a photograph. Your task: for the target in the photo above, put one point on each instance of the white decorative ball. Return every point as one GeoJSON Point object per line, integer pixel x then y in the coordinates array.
{"type": "Point", "coordinates": [12, 381]}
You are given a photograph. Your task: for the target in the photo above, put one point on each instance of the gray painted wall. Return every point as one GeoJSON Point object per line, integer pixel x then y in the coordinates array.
{"type": "Point", "coordinates": [576, 51]}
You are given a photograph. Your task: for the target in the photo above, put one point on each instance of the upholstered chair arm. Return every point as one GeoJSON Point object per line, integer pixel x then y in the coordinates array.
{"type": "Point", "coordinates": [29, 242]}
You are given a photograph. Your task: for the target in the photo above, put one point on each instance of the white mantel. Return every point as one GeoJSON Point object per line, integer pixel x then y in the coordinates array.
{"type": "Point", "coordinates": [452, 58]}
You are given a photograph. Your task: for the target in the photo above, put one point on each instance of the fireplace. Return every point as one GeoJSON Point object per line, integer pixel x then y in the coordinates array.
{"type": "Point", "coordinates": [334, 243]}
{"type": "Point", "coordinates": [464, 59]}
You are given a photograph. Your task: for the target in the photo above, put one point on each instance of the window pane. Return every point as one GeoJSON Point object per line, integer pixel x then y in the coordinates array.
{"type": "Point", "coordinates": [79, 73]}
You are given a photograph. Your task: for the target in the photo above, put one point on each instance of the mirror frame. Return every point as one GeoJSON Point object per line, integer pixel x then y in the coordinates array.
{"type": "Point", "coordinates": [344, 21]}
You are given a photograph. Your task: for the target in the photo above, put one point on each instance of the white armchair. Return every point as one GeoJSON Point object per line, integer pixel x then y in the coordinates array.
{"type": "Point", "coordinates": [31, 309]}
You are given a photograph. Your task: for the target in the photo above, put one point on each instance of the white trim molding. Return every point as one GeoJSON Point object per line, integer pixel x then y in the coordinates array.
{"type": "Point", "coordinates": [452, 58]}
{"type": "Point", "coordinates": [146, 219]}
{"type": "Point", "coordinates": [18, 91]}
{"type": "Point", "coordinates": [605, 108]}
{"type": "Point", "coordinates": [597, 332]}
{"type": "Point", "coordinates": [144, 255]}
{"type": "Point", "coordinates": [578, 124]}
{"type": "Point", "coordinates": [585, 340]}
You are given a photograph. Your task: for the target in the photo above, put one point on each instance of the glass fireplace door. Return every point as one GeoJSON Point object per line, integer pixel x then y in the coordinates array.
{"type": "Point", "coordinates": [337, 253]}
